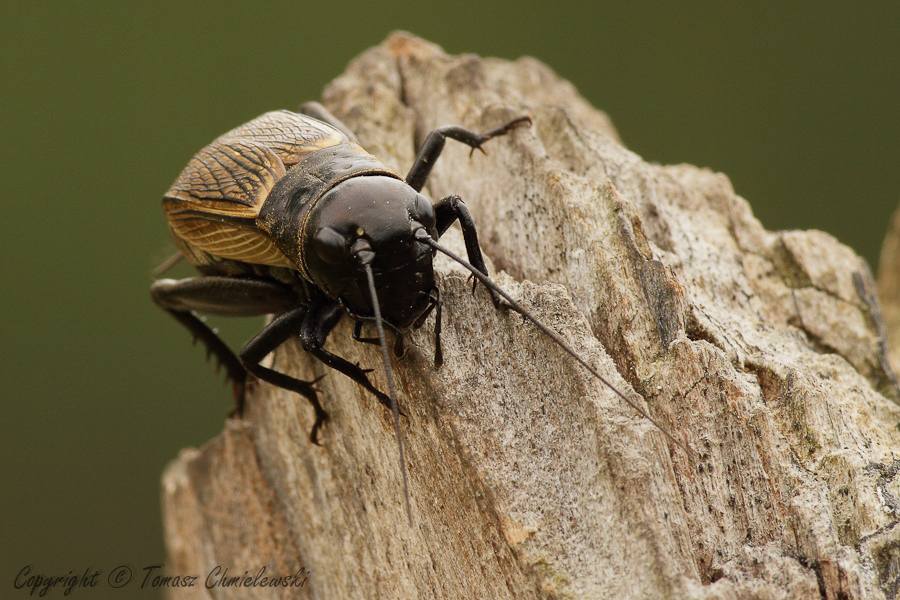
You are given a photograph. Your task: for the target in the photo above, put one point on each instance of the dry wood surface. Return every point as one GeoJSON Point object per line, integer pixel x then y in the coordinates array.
{"type": "Point", "coordinates": [763, 352]}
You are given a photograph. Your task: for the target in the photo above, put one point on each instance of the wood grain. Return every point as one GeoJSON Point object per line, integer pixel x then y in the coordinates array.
{"type": "Point", "coordinates": [761, 350]}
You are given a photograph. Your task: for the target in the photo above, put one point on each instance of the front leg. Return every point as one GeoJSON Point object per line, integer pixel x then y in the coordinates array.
{"type": "Point", "coordinates": [273, 335]}
{"type": "Point", "coordinates": [435, 141]}
{"type": "Point", "coordinates": [319, 322]}
{"type": "Point", "coordinates": [450, 209]}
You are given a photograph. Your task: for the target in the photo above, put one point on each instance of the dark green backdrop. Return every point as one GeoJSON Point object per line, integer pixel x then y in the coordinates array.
{"type": "Point", "coordinates": [103, 104]}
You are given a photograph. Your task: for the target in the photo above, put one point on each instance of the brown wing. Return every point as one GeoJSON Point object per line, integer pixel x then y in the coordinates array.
{"type": "Point", "coordinates": [213, 204]}
{"type": "Point", "coordinates": [289, 135]}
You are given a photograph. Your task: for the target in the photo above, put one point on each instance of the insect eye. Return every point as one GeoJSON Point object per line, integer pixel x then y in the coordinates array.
{"type": "Point", "coordinates": [423, 212]}
{"type": "Point", "coordinates": [330, 245]}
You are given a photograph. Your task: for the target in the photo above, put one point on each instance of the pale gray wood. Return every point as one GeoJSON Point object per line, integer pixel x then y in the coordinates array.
{"type": "Point", "coordinates": [760, 350]}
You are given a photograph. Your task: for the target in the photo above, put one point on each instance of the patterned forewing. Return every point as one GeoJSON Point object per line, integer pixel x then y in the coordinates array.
{"type": "Point", "coordinates": [213, 204]}
{"type": "Point", "coordinates": [289, 135]}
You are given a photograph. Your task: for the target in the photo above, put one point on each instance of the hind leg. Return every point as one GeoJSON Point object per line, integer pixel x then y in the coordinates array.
{"type": "Point", "coordinates": [317, 111]}
{"type": "Point", "coordinates": [226, 296]}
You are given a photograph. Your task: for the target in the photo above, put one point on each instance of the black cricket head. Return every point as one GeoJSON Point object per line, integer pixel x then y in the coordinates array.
{"type": "Point", "coordinates": [373, 220]}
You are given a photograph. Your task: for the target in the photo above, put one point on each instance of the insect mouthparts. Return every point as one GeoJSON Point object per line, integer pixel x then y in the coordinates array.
{"type": "Point", "coordinates": [362, 251]}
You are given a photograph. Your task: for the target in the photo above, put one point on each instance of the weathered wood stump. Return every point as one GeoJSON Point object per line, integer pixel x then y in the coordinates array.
{"type": "Point", "coordinates": [762, 351]}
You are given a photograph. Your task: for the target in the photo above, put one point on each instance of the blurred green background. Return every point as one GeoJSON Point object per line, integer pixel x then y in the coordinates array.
{"type": "Point", "coordinates": [104, 103]}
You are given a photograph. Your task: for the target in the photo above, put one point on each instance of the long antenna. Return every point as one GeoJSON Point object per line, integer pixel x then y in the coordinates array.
{"type": "Point", "coordinates": [365, 255]}
{"type": "Point", "coordinates": [422, 236]}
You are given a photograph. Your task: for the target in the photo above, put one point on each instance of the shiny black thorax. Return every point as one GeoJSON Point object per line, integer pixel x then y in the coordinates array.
{"type": "Point", "coordinates": [339, 195]}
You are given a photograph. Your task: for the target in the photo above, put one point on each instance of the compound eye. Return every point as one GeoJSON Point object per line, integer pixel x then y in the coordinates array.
{"type": "Point", "coordinates": [330, 245]}
{"type": "Point", "coordinates": [423, 212]}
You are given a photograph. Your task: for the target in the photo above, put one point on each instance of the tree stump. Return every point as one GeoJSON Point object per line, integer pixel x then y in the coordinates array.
{"type": "Point", "coordinates": [762, 351]}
